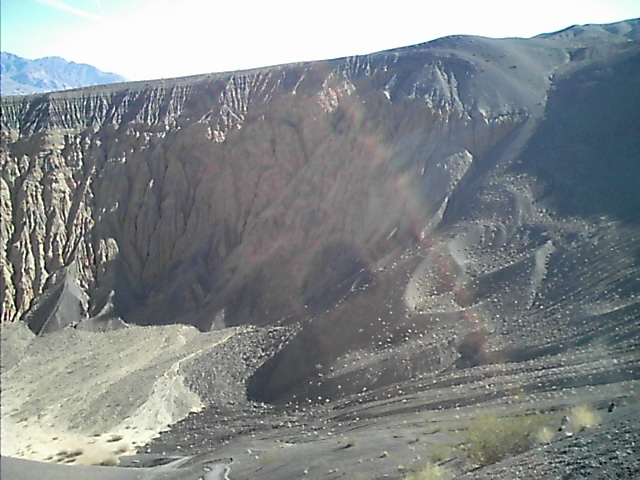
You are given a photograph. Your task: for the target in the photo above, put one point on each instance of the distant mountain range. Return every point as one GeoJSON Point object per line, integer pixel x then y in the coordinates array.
{"type": "Point", "coordinates": [21, 76]}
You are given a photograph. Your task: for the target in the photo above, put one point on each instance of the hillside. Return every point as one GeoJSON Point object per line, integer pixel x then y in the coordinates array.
{"type": "Point", "coordinates": [436, 227]}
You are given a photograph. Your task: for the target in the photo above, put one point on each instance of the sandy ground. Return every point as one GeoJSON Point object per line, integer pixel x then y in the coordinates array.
{"type": "Point", "coordinates": [87, 398]}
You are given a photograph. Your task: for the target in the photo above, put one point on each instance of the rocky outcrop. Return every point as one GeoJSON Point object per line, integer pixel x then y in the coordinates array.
{"type": "Point", "coordinates": [466, 186]}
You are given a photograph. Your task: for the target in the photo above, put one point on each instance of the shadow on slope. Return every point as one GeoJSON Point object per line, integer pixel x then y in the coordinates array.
{"type": "Point", "coordinates": [586, 150]}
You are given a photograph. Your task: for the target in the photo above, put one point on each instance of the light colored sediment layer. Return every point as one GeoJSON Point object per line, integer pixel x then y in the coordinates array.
{"type": "Point", "coordinates": [85, 398]}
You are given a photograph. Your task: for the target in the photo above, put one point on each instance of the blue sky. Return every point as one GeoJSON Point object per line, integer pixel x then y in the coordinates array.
{"type": "Point", "coordinates": [145, 39]}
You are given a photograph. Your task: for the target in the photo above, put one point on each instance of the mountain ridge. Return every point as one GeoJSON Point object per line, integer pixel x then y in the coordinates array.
{"type": "Point", "coordinates": [21, 76]}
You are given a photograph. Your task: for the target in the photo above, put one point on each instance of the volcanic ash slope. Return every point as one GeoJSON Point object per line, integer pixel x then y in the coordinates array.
{"type": "Point", "coordinates": [427, 217]}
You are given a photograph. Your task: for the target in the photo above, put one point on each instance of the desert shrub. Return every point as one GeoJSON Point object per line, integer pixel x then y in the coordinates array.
{"type": "Point", "coordinates": [267, 459]}
{"type": "Point", "coordinates": [115, 438]}
{"type": "Point", "coordinates": [582, 417]}
{"type": "Point", "coordinates": [430, 471]}
{"type": "Point", "coordinates": [439, 452]}
{"type": "Point", "coordinates": [489, 439]}
{"type": "Point", "coordinates": [545, 434]}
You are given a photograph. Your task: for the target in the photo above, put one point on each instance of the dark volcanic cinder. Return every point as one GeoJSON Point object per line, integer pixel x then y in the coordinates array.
{"type": "Point", "coordinates": [438, 227]}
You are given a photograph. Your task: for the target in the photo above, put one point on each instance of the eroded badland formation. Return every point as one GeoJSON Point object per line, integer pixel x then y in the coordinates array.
{"type": "Point", "coordinates": [376, 245]}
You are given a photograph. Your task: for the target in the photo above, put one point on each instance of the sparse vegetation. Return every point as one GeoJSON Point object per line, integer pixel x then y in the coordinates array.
{"type": "Point", "coordinates": [489, 439]}
{"type": "Point", "coordinates": [267, 459]}
{"type": "Point", "coordinates": [545, 434]}
{"type": "Point", "coordinates": [439, 452]}
{"type": "Point", "coordinates": [115, 438]}
{"type": "Point", "coordinates": [430, 471]}
{"type": "Point", "coordinates": [582, 417]}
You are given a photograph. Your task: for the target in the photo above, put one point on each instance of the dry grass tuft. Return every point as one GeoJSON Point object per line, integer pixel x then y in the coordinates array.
{"type": "Point", "coordinates": [545, 435]}
{"type": "Point", "coordinates": [439, 453]}
{"type": "Point", "coordinates": [267, 459]}
{"type": "Point", "coordinates": [581, 417]}
{"type": "Point", "coordinates": [489, 439]}
{"type": "Point", "coordinates": [430, 471]}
